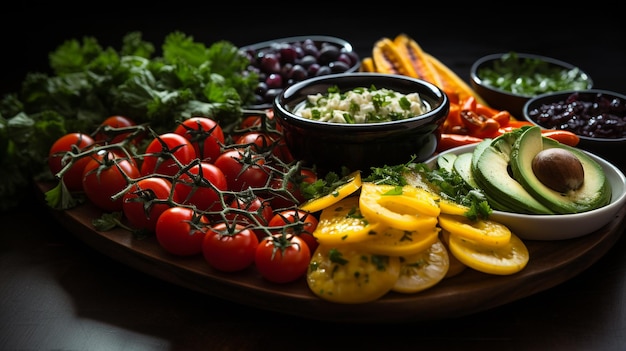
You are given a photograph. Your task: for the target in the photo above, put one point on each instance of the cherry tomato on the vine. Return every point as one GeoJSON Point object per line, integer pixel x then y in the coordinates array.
{"type": "Point", "coordinates": [243, 169]}
{"type": "Point", "coordinates": [264, 142]}
{"type": "Point", "coordinates": [205, 134]}
{"type": "Point", "coordinates": [58, 158]}
{"type": "Point", "coordinates": [260, 141]}
{"type": "Point", "coordinates": [229, 247]}
{"type": "Point", "coordinates": [297, 222]}
{"type": "Point", "coordinates": [112, 137]}
{"type": "Point", "coordinates": [254, 211]}
{"type": "Point", "coordinates": [146, 200]}
{"type": "Point", "coordinates": [180, 231]}
{"type": "Point", "coordinates": [162, 153]}
{"type": "Point", "coordinates": [282, 258]}
{"type": "Point", "coordinates": [106, 176]}
{"type": "Point", "coordinates": [281, 199]}
{"type": "Point", "coordinates": [200, 186]}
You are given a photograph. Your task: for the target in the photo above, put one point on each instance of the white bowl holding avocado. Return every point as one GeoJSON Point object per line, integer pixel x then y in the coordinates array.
{"type": "Point", "coordinates": [555, 226]}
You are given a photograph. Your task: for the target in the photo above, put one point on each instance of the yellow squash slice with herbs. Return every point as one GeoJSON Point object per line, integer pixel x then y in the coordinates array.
{"type": "Point", "coordinates": [396, 242]}
{"type": "Point", "coordinates": [347, 275]}
{"type": "Point", "coordinates": [422, 270]}
{"type": "Point", "coordinates": [352, 183]}
{"type": "Point", "coordinates": [406, 208]}
{"type": "Point", "coordinates": [343, 223]}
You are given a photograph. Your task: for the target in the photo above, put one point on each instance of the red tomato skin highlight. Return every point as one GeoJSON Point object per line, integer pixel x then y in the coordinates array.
{"type": "Point", "coordinates": [282, 266]}
{"type": "Point", "coordinates": [206, 136]}
{"type": "Point", "coordinates": [229, 253]}
{"type": "Point", "coordinates": [153, 163]}
{"type": "Point", "coordinates": [134, 210]}
{"type": "Point", "coordinates": [239, 174]}
{"type": "Point", "coordinates": [204, 197]}
{"type": "Point", "coordinates": [100, 186]}
{"type": "Point", "coordinates": [176, 235]}
{"type": "Point", "coordinates": [73, 178]}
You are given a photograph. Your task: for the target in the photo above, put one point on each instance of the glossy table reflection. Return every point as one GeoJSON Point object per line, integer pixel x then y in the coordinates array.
{"type": "Point", "coordinates": [58, 293]}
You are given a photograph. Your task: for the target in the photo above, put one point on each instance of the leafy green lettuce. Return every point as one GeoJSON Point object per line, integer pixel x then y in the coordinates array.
{"type": "Point", "coordinates": [89, 83]}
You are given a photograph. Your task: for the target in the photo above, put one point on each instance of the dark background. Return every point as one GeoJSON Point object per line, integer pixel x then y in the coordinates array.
{"type": "Point", "coordinates": [592, 38]}
{"type": "Point", "coordinates": [58, 293]}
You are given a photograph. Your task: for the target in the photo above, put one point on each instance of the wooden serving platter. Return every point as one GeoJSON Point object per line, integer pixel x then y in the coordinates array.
{"type": "Point", "coordinates": [551, 263]}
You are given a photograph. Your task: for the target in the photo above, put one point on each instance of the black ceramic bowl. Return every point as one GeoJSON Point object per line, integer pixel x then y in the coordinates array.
{"type": "Point", "coordinates": [504, 98]}
{"type": "Point", "coordinates": [307, 56]}
{"type": "Point", "coordinates": [578, 111]}
{"type": "Point", "coordinates": [329, 146]}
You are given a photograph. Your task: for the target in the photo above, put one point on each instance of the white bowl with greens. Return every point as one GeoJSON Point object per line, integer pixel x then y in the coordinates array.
{"type": "Point", "coordinates": [555, 226]}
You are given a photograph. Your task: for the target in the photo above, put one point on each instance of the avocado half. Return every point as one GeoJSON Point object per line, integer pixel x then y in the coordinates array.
{"type": "Point", "coordinates": [595, 191]}
{"type": "Point", "coordinates": [491, 170]}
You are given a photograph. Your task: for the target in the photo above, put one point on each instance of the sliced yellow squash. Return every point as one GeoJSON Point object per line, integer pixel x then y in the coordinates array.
{"type": "Point", "coordinates": [396, 242]}
{"type": "Point", "coordinates": [342, 223]}
{"type": "Point", "coordinates": [423, 270]}
{"type": "Point", "coordinates": [483, 231]}
{"type": "Point", "coordinates": [505, 260]}
{"type": "Point", "coordinates": [406, 208]}
{"type": "Point", "coordinates": [352, 184]}
{"type": "Point", "coordinates": [347, 275]}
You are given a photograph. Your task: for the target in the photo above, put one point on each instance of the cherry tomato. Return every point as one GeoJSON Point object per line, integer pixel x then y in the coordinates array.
{"type": "Point", "coordinates": [112, 137]}
{"type": "Point", "coordinates": [201, 185]}
{"type": "Point", "coordinates": [105, 177]}
{"type": "Point", "coordinates": [296, 222]}
{"type": "Point", "coordinates": [161, 152]}
{"type": "Point", "coordinates": [280, 199]}
{"type": "Point", "coordinates": [206, 136]}
{"type": "Point", "coordinates": [258, 211]}
{"type": "Point", "coordinates": [260, 141]}
{"type": "Point", "coordinates": [243, 169]}
{"type": "Point", "coordinates": [180, 231]}
{"type": "Point", "coordinates": [58, 158]}
{"type": "Point", "coordinates": [145, 201]}
{"type": "Point", "coordinates": [282, 258]}
{"type": "Point", "coordinates": [257, 120]}
{"type": "Point", "coordinates": [229, 247]}
{"type": "Point", "coordinates": [250, 122]}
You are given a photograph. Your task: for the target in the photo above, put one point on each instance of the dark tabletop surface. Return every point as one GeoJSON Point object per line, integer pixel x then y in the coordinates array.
{"type": "Point", "coordinates": [56, 293]}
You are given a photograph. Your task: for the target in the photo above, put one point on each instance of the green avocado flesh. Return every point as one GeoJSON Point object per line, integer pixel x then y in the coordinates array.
{"type": "Point", "coordinates": [502, 169]}
{"type": "Point", "coordinates": [503, 191]}
{"type": "Point", "coordinates": [595, 191]}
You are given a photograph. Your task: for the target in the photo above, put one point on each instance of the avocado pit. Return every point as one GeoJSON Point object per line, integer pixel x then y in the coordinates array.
{"type": "Point", "coordinates": [558, 169]}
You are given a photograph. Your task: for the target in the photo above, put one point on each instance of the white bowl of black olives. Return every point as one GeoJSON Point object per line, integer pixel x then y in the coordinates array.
{"type": "Point", "coordinates": [281, 62]}
{"type": "Point", "coordinates": [597, 116]}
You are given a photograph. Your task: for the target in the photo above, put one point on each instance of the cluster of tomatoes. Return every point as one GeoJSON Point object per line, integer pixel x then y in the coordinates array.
{"type": "Point", "coordinates": [231, 198]}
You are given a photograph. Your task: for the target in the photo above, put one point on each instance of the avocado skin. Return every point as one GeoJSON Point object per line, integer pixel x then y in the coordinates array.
{"type": "Point", "coordinates": [594, 193]}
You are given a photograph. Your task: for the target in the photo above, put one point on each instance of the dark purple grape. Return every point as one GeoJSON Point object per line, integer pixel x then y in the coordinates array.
{"type": "Point", "coordinates": [274, 81]}
{"type": "Point", "coordinates": [323, 70]}
{"type": "Point", "coordinates": [288, 54]}
{"type": "Point", "coordinates": [313, 68]}
{"type": "Point", "coordinates": [328, 54]}
{"type": "Point", "coordinates": [311, 49]}
{"type": "Point", "coordinates": [281, 64]}
{"type": "Point", "coordinates": [270, 63]}
{"type": "Point", "coordinates": [354, 58]}
{"type": "Point", "coordinates": [343, 57]}
{"type": "Point", "coordinates": [297, 73]}
{"type": "Point", "coordinates": [307, 60]}
{"type": "Point", "coordinates": [338, 67]}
